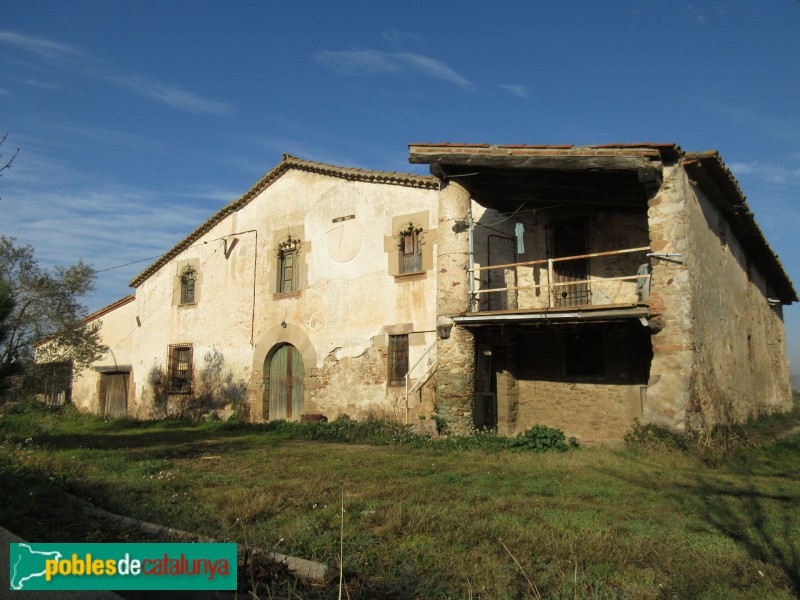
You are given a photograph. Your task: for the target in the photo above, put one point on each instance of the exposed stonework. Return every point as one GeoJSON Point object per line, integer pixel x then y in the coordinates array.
{"type": "Point", "coordinates": [668, 393]}
{"type": "Point", "coordinates": [455, 380]}
{"type": "Point", "coordinates": [740, 365]}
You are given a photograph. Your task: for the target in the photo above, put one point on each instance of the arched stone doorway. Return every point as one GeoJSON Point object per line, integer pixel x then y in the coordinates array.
{"type": "Point", "coordinates": [285, 384]}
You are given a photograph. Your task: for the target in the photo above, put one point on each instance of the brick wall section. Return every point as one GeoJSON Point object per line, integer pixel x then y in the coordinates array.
{"type": "Point", "coordinates": [455, 381]}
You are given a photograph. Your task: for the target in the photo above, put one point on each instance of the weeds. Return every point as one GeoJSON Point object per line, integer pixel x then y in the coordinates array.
{"type": "Point", "coordinates": [423, 515]}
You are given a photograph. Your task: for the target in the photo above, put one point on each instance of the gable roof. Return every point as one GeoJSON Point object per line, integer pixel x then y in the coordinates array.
{"type": "Point", "coordinates": [288, 163]}
{"type": "Point", "coordinates": [721, 188]}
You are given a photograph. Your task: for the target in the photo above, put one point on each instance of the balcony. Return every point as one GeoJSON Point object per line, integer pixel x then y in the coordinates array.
{"type": "Point", "coordinates": [599, 286]}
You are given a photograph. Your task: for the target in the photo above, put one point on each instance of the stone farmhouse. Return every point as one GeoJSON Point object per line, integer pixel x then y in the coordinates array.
{"type": "Point", "coordinates": [576, 287]}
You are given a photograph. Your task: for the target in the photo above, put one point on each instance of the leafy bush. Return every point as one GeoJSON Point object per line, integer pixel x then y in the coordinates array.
{"type": "Point", "coordinates": [651, 435]}
{"type": "Point", "coordinates": [541, 438]}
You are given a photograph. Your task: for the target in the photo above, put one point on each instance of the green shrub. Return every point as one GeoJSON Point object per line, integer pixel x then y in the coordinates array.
{"type": "Point", "coordinates": [653, 436]}
{"type": "Point", "coordinates": [541, 438]}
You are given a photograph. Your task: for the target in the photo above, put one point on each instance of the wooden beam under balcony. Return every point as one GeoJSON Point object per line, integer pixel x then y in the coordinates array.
{"type": "Point", "coordinates": [572, 314]}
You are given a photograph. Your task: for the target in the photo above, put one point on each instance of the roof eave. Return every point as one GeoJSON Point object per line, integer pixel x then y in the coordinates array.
{"type": "Point", "coordinates": [721, 188]}
{"type": "Point", "coordinates": [288, 162]}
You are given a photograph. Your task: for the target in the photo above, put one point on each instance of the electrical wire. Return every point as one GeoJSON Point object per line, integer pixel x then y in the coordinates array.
{"type": "Point", "coordinates": [161, 255]}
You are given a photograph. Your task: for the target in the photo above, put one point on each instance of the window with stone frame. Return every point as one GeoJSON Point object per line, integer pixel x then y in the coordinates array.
{"type": "Point", "coordinates": [188, 284]}
{"type": "Point", "coordinates": [397, 359]}
{"type": "Point", "coordinates": [179, 369]}
{"type": "Point", "coordinates": [410, 249]}
{"type": "Point", "coordinates": [288, 265]}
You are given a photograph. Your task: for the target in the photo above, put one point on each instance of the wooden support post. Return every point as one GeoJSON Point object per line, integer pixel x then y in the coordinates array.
{"type": "Point", "coordinates": [550, 288]}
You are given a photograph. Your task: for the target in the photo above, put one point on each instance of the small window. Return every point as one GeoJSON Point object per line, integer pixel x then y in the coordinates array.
{"type": "Point", "coordinates": [179, 374]}
{"type": "Point", "coordinates": [288, 254]}
{"type": "Point", "coordinates": [583, 353]}
{"type": "Point", "coordinates": [398, 359]}
{"type": "Point", "coordinates": [188, 282]}
{"type": "Point", "coordinates": [410, 251]}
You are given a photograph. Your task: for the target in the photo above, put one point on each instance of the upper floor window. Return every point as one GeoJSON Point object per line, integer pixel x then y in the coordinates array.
{"type": "Point", "coordinates": [288, 263]}
{"type": "Point", "coordinates": [179, 369]}
{"type": "Point", "coordinates": [410, 251]}
{"type": "Point", "coordinates": [188, 283]}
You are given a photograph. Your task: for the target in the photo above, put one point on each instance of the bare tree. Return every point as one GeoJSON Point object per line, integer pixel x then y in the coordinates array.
{"type": "Point", "coordinates": [5, 163]}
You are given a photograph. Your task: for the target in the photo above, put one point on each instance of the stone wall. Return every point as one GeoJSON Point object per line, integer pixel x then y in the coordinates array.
{"type": "Point", "coordinates": [740, 366]}
{"type": "Point", "coordinates": [535, 385]}
{"type": "Point", "coordinates": [672, 319]}
{"type": "Point", "coordinates": [349, 297]}
{"type": "Point", "coordinates": [455, 382]}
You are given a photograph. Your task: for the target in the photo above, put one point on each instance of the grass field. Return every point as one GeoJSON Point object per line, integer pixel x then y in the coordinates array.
{"type": "Point", "coordinates": [430, 520]}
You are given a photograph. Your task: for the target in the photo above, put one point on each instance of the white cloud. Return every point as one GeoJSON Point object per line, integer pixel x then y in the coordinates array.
{"type": "Point", "coordinates": [520, 91]}
{"type": "Point", "coordinates": [398, 38]}
{"type": "Point", "coordinates": [68, 215]}
{"type": "Point", "coordinates": [168, 94]}
{"type": "Point", "coordinates": [68, 56]}
{"type": "Point", "coordinates": [48, 49]}
{"type": "Point", "coordinates": [45, 85]}
{"type": "Point", "coordinates": [365, 61]}
{"type": "Point", "coordinates": [767, 172]}
{"type": "Point", "coordinates": [760, 122]}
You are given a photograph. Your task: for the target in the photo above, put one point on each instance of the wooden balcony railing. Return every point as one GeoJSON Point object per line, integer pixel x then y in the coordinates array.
{"type": "Point", "coordinates": [553, 284]}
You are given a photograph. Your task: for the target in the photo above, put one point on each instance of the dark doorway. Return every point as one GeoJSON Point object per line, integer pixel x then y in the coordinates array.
{"type": "Point", "coordinates": [484, 410]}
{"type": "Point", "coordinates": [569, 239]}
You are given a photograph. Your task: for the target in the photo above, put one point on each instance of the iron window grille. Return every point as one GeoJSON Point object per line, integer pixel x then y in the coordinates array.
{"type": "Point", "coordinates": [398, 359]}
{"type": "Point", "coordinates": [179, 370]}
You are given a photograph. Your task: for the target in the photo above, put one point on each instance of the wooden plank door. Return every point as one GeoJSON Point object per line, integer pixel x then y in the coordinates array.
{"type": "Point", "coordinates": [116, 394]}
{"type": "Point", "coordinates": [286, 375]}
{"type": "Point", "coordinates": [569, 239]}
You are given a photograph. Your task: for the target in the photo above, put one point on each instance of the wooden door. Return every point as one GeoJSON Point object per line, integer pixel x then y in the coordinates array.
{"type": "Point", "coordinates": [116, 394]}
{"type": "Point", "coordinates": [286, 373]}
{"type": "Point", "coordinates": [569, 239]}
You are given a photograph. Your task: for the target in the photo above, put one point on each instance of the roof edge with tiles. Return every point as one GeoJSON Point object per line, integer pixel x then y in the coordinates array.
{"type": "Point", "coordinates": [722, 189]}
{"type": "Point", "coordinates": [288, 163]}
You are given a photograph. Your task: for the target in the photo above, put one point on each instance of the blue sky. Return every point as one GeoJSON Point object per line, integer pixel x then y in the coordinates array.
{"type": "Point", "coordinates": [137, 120]}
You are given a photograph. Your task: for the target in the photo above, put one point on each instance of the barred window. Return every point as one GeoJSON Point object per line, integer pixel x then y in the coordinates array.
{"type": "Point", "coordinates": [188, 281]}
{"type": "Point", "coordinates": [179, 373]}
{"type": "Point", "coordinates": [398, 359]}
